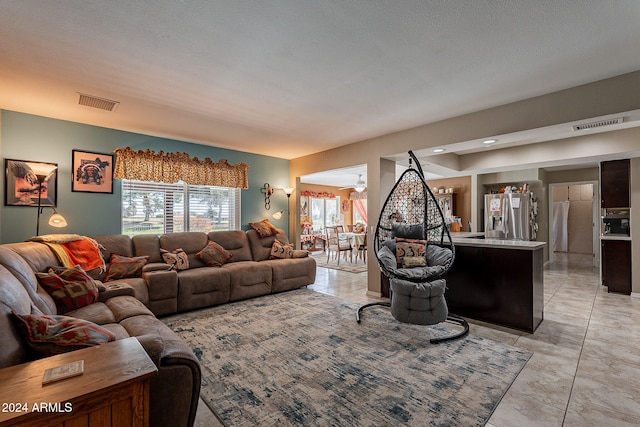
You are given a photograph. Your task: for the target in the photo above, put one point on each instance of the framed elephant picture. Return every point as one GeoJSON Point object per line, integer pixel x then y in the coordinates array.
{"type": "Point", "coordinates": [92, 172]}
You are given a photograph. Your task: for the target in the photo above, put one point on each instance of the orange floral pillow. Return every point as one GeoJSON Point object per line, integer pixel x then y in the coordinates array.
{"type": "Point", "coordinates": [409, 248]}
{"type": "Point", "coordinates": [264, 228]}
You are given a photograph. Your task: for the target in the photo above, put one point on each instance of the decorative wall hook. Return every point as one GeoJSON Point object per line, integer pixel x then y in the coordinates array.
{"type": "Point", "coordinates": [267, 190]}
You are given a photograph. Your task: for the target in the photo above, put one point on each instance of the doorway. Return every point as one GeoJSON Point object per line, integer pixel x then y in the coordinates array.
{"type": "Point", "coordinates": [574, 220]}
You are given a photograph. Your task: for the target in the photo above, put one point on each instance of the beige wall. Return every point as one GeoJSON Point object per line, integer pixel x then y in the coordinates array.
{"type": "Point", "coordinates": [605, 97]}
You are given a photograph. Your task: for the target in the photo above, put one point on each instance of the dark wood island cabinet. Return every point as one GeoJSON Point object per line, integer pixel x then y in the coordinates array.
{"type": "Point", "coordinates": [498, 281]}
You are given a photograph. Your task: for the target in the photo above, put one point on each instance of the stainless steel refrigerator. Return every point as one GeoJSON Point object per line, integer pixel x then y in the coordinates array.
{"type": "Point", "coordinates": [508, 216]}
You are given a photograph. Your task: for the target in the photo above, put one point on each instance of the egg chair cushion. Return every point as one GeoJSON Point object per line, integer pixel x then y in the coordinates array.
{"type": "Point", "coordinates": [419, 303]}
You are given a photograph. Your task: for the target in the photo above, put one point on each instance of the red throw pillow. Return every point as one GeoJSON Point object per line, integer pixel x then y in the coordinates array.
{"type": "Point", "coordinates": [70, 288]}
{"type": "Point", "coordinates": [49, 335]}
{"type": "Point", "coordinates": [214, 255]}
{"type": "Point", "coordinates": [264, 228]}
{"type": "Point", "coordinates": [121, 267]}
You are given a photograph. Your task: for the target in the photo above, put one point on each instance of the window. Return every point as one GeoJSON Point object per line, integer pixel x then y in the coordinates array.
{"type": "Point", "coordinates": [156, 208]}
{"type": "Point", "coordinates": [325, 213]}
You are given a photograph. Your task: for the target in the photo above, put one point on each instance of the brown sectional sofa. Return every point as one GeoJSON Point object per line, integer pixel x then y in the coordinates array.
{"type": "Point", "coordinates": [128, 307]}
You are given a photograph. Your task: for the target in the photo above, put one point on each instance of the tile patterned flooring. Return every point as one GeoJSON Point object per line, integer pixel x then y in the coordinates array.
{"type": "Point", "coordinates": [585, 368]}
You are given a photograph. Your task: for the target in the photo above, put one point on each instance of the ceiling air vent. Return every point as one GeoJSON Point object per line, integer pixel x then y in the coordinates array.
{"type": "Point", "coordinates": [598, 124]}
{"type": "Point", "coordinates": [95, 102]}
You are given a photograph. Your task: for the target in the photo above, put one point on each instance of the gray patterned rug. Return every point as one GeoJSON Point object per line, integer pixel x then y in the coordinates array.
{"type": "Point", "coordinates": [300, 359]}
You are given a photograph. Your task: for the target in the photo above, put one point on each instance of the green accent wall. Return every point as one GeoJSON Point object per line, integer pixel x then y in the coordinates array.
{"type": "Point", "coordinates": [35, 138]}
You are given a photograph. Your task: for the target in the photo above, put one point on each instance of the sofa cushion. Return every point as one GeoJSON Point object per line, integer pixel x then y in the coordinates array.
{"type": "Point", "coordinates": [70, 288]}
{"type": "Point", "coordinates": [191, 242]}
{"type": "Point", "coordinates": [261, 246]}
{"type": "Point", "coordinates": [147, 244]}
{"type": "Point", "coordinates": [235, 241]}
{"type": "Point", "coordinates": [177, 259]}
{"type": "Point", "coordinates": [121, 267]}
{"type": "Point", "coordinates": [264, 228]}
{"type": "Point", "coordinates": [214, 255]}
{"type": "Point", "coordinates": [11, 257]}
{"type": "Point", "coordinates": [124, 307]}
{"type": "Point", "coordinates": [55, 334]}
{"type": "Point", "coordinates": [97, 313]}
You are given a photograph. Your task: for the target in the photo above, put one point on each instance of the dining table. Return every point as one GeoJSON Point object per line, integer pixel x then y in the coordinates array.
{"type": "Point", "coordinates": [355, 239]}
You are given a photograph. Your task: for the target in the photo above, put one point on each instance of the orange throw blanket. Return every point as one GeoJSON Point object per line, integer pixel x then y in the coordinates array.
{"type": "Point", "coordinates": [75, 250]}
{"type": "Point", "coordinates": [83, 252]}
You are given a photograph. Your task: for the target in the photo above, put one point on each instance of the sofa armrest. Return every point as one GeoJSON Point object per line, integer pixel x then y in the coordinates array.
{"type": "Point", "coordinates": [163, 290]}
{"type": "Point", "coordinates": [155, 266]}
{"type": "Point", "coordinates": [115, 290]}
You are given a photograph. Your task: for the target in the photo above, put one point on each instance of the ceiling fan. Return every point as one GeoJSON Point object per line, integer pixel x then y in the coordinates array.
{"type": "Point", "coordinates": [359, 186]}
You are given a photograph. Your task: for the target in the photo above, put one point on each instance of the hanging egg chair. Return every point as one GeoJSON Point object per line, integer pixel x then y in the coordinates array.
{"type": "Point", "coordinates": [413, 247]}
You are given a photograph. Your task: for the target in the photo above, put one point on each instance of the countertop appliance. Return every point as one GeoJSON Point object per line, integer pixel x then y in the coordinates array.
{"type": "Point", "coordinates": [509, 216]}
{"type": "Point", "coordinates": [616, 222]}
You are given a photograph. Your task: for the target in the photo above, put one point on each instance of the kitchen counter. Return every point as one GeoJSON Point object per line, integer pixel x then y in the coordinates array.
{"type": "Point", "coordinates": [623, 237]}
{"type": "Point", "coordinates": [478, 240]}
{"type": "Point", "coordinates": [497, 281]}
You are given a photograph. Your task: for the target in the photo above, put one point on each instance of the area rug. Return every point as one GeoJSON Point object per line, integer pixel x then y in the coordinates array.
{"type": "Point", "coordinates": [351, 267]}
{"type": "Point", "coordinates": [299, 358]}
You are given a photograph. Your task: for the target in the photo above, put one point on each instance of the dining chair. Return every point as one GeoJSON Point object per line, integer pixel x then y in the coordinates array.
{"type": "Point", "coordinates": [362, 250]}
{"type": "Point", "coordinates": [336, 245]}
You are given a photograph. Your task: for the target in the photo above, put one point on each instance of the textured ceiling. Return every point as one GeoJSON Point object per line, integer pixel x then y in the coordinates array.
{"type": "Point", "coordinates": [292, 77]}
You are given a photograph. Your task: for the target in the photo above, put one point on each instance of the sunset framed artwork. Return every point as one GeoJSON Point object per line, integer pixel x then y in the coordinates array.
{"type": "Point", "coordinates": [91, 172]}
{"type": "Point", "coordinates": [22, 187]}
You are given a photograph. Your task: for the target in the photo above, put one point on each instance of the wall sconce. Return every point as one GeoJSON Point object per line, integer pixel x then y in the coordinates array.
{"type": "Point", "coordinates": [267, 190]}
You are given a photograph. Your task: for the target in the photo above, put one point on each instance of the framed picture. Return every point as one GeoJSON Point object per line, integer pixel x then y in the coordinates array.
{"type": "Point", "coordinates": [22, 187]}
{"type": "Point", "coordinates": [91, 172]}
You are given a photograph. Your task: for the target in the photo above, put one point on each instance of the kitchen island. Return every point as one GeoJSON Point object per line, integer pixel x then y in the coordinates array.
{"type": "Point", "coordinates": [497, 281]}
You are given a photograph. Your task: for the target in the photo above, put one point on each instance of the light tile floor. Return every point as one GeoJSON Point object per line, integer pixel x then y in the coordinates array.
{"type": "Point", "coordinates": [585, 368]}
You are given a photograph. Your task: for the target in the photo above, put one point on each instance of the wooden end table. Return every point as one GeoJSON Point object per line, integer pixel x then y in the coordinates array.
{"type": "Point", "coordinates": [112, 391]}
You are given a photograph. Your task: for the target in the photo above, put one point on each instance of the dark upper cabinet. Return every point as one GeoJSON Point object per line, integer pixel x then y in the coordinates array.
{"type": "Point", "coordinates": [614, 184]}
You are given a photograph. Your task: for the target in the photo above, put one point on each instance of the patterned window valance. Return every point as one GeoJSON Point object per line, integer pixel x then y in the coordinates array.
{"type": "Point", "coordinates": [320, 195]}
{"type": "Point", "coordinates": [354, 195]}
{"type": "Point", "coordinates": [147, 165]}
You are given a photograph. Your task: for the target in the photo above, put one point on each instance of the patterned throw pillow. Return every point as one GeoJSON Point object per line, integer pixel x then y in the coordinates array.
{"type": "Point", "coordinates": [121, 267]}
{"type": "Point", "coordinates": [49, 335]}
{"type": "Point", "coordinates": [214, 255]}
{"type": "Point", "coordinates": [264, 228]}
{"type": "Point", "coordinates": [70, 288]}
{"type": "Point", "coordinates": [178, 258]}
{"type": "Point", "coordinates": [414, 261]}
{"type": "Point", "coordinates": [409, 248]}
{"type": "Point", "coordinates": [281, 250]}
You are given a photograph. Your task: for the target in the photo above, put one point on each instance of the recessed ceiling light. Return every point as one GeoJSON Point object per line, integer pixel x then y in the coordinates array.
{"type": "Point", "coordinates": [489, 141]}
{"type": "Point", "coordinates": [438, 150]}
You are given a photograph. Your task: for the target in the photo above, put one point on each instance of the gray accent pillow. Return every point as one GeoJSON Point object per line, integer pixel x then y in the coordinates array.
{"type": "Point", "coordinates": [407, 231]}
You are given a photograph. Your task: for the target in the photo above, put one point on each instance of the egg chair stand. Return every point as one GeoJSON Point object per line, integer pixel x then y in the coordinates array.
{"type": "Point", "coordinates": [413, 247]}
